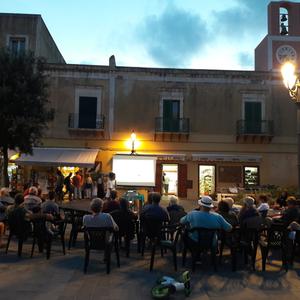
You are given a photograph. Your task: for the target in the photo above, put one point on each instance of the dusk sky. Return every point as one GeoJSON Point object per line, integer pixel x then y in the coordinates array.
{"type": "Point", "coordinates": [200, 34]}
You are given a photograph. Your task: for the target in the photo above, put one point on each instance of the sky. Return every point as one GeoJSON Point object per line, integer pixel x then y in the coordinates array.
{"type": "Point", "coordinates": [196, 34]}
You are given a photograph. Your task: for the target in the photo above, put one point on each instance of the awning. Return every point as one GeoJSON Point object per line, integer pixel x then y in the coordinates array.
{"type": "Point", "coordinates": [83, 158]}
{"type": "Point", "coordinates": [225, 157]}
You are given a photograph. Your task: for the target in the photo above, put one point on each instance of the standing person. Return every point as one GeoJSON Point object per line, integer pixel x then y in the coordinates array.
{"type": "Point", "coordinates": [100, 187]}
{"type": "Point", "coordinates": [59, 184]}
{"type": "Point", "coordinates": [68, 185]}
{"type": "Point", "coordinates": [76, 180]}
{"type": "Point", "coordinates": [88, 186]}
{"type": "Point", "coordinates": [166, 181]}
{"type": "Point", "coordinates": [111, 184]}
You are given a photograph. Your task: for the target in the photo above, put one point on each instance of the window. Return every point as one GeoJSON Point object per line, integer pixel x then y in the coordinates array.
{"type": "Point", "coordinates": [251, 176]}
{"type": "Point", "coordinates": [253, 113]}
{"type": "Point", "coordinates": [284, 21]}
{"type": "Point", "coordinates": [207, 175]}
{"type": "Point", "coordinates": [171, 115]}
{"type": "Point", "coordinates": [17, 44]}
{"type": "Point", "coordinates": [87, 109]}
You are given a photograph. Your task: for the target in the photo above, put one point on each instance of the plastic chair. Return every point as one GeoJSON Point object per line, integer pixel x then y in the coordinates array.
{"type": "Point", "coordinates": [100, 239]}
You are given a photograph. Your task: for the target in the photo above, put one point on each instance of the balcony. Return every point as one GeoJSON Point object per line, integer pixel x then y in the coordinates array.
{"type": "Point", "coordinates": [81, 124]}
{"type": "Point", "coordinates": [255, 132]}
{"type": "Point", "coordinates": [172, 128]}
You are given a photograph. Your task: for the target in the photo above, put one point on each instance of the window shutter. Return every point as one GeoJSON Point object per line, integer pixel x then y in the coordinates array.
{"type": "Point", "coordinates": [158, 178]}
{"type": "Point", "coordinates": [182, 180]}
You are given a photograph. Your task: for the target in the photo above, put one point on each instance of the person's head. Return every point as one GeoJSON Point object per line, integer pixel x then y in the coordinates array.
{"type": "Point", "coordinates": [154, 198]}
{"type": "Point", "coordinates": [284, 194]}
{"type": "Point", "coordinates": [33, 191]}
{"type": "Point", "coordinates": [223, 206]}
{"type": "Point", "coordinates": [77, 173]}
{"type": "Point", "coordinates": [51, 195]}
{"type": "Point", "coordinates": [96, 205]}
{"type": "Point", "coordinates": [58, 172]}
{"type": "Point", "coordinates": [70, 174]}
{"type": "Point", "coordinates": [113, 195]}
{"type": "Point", "coordinates": [4, 192]}
{"type": "Point", "coordinates": [111, 175]}
{"type": "Point", "coordinates": [19, 199]}
{"type": "Point", "coordinates": [291, 202]}
{"type": "Point", "coordinates": [229, 201]}
{"type": "Point", "coordinates": [263, 198]}
{"type": "Point", "coordinates": [173, 200]}
{"type": "Point", "coordinates": [206, 203]}
{"type": "Point", "coordinates": [249, 202]}
{"type": "Point", "coordinates": [124, 204]}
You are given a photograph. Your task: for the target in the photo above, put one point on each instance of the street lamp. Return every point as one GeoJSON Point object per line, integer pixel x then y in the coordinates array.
{"type": "Point", "coordinates": [292, 83]}
{"type": "Point", "coordinates": [133, 139]}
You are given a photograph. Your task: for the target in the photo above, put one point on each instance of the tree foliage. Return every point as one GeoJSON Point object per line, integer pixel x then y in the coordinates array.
{"type": "Point", "coordinates": [24, 107]}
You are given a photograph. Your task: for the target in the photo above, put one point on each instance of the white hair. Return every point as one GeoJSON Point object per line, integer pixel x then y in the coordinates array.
{"type": "Point", "coordinates": [173, 200]}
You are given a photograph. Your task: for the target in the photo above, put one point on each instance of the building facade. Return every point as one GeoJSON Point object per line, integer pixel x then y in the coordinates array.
{"type": "Point", "coordinates": [210, 130]}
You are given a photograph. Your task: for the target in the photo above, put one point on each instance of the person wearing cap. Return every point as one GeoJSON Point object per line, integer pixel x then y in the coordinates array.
{"type": "Point", "coordinates": [248, 210]}
{"type": "Point", "coordinates": [204, 218]}
{"type": "Point", "coordinates": [98, 218]}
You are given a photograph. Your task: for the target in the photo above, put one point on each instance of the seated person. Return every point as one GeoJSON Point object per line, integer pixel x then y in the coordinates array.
{"type": "Point", "coordinates": [2, 227]}
{"type": "Point", "coordinates": [125, 219]}
{"type": "Point", "coordinates": [49, 206]}
{"type": "Point", "coordinates": [111, 203]}
{"type": "Point", "coordinates": [248, 210]}
{"type": "Point", "coordinates": [204, 218]}
{"type": "Point", "coordinates": [19, 218]}
{"type": "Point", "coordinates": [230, 202]}
{"type": "Point", "coordinates": [2, 212]}
{"type": "Point", "coordinates": [5, 198]}
{"type": "Point", "coordinates": [227, 214]}
{"type": "Point", "coordinates": [175, 211]}
{"type": "Point", "coordinates": [32, 200]}
{"type": "Point", "coordinates": [98, 218]}
{"type": "Point", "coordinates": [291, 214]}
{"type": "Point", "coordinates": [154, 210]}
{"type": "Point", "coordinates": [282, 200]}
{"type": "Point", "coordinates": [263, 206]}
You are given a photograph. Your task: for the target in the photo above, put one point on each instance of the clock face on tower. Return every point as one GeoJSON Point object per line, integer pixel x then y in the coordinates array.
{"type": "Point", "coordinates": [286, 53]}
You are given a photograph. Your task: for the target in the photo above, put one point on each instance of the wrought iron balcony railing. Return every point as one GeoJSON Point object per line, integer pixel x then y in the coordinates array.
{"type": "Point", "coordinates": [262, 128]}
{"type": "Point", "coordinates": [174, 125]}
{"type": "Point", "coordinates": [79, 121]}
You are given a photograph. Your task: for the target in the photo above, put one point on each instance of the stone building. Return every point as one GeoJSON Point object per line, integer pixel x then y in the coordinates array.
{"type": "Point", "coordinates": [210, 130]}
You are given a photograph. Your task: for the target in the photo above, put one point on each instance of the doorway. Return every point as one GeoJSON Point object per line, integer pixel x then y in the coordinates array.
{"type": "Point", "coordinates": [170, 179]}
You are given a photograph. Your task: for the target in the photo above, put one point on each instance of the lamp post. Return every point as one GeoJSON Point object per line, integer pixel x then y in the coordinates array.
{"type": "Point", "coordinates": [292, 83]}
{"type": "Point", "coordinates": [133, 139]}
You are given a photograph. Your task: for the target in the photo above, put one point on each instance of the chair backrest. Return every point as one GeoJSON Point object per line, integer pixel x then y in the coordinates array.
{"type": "Point", "coordinates": [39, 227]}
{"type": "Point", "coordinates": [98, 238]}
{"type": "Point", "coordinates": [125, 222]}
{"type": "Point", "coordinates": [151, 227]}
{"type": "Point", "coordinates": [206, 237]}
{"type": "Point", "coordinates": [17, 223]}
{"type": "Point", "coordinates": [277, 235]}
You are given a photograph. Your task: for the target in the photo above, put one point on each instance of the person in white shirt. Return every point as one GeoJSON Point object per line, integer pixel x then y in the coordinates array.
{"type": "Point", "coordinates": [263, 206]}
{"type": "Point", "coordinates": [111, 184]}
{"type": "Point", "coordinates": [97, 218]}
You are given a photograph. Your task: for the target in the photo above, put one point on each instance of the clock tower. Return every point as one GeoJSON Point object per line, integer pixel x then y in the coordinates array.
{"type": "Point", "coordinates": [282, 43]}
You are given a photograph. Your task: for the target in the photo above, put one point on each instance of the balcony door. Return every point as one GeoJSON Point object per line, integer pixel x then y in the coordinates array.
{"type": "Point", "coordinates": [87, 112]}
{"type": "Point", "coordinates": [171, 115]}
{"type": "Point", "coordinates": [253, 114]}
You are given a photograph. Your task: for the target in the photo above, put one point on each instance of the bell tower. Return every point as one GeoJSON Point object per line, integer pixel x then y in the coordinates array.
{"type": "Point", "coordinates": [282, 43]}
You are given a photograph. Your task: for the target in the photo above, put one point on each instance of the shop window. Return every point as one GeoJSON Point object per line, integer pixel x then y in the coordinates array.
{"type": "Point", "coordinates": [207, 179]}
{"type": "Point", "coordinates": [251, 176]}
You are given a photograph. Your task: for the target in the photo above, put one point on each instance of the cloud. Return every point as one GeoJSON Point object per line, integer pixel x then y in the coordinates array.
{"type": "Point", "coordinates": [245, 59]}
{"type": "Point", "coordinates": [172, 38]}
{"type": "Point", "coordinates": [247, 17]}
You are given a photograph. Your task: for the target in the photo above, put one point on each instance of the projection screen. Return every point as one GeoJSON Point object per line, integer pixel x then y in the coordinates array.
{"type": "Point", "coordinates": [134, 170]}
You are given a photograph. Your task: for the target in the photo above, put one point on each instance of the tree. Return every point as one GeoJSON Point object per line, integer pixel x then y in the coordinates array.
{"type": "Point", "coordinates": [24, 107]}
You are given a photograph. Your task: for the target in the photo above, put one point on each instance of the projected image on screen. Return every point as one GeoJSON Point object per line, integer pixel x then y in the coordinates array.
{"type": "Point", "coordinates": [134, 170]}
